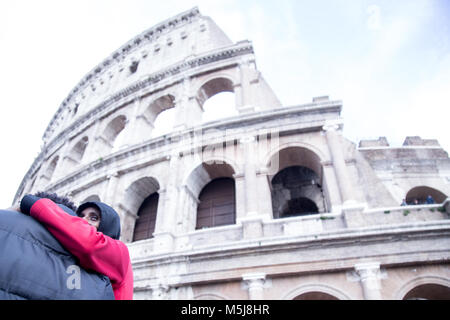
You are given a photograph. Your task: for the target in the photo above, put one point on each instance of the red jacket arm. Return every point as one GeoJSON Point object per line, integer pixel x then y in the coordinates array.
{"type": "Point", "coordinates": [94, 250]}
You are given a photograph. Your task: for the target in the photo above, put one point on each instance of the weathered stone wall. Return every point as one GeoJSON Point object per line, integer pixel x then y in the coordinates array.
{"type": "Point", "coordinates": [361, 244]}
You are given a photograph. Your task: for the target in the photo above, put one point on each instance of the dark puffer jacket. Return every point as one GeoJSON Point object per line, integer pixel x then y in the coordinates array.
{"type": "Point", "coordinates": [34, 265]}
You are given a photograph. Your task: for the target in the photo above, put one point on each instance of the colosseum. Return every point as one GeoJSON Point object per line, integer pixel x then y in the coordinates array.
{"type": "Point", "coordinates": [267, 202]}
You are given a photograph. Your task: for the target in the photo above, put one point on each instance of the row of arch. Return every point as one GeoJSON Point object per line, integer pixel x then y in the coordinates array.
{"type": "Point", "coordinates": [423, 288]}
{"type": "Point", "coordinates": [215, 97]}
{"type": "Point", "coordinates": [296, 189]}
{"type": "Point", "coordinates": [428, 291]}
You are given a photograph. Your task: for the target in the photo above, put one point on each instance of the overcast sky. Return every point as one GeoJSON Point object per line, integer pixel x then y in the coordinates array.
{"type": "Point", "coordinates": [388, 61]}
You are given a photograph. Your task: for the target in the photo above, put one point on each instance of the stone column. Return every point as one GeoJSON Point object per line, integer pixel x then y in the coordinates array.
{"type": "Point", "coordinates": [109, 194]}
{"type": "Point", "coordinates": [240, 195]}
{"type": "Point", "coordinates": [62, 167]}
{"type": "Point", "coordinates": [265, 194]}
{"type": "Point", "coordinates": [160, 218]}
{"type": "Point", "coordinates": [237, 88]}
{"type": "Point", "coordinates": [340, 168]}
{"type": "Point", "coordinates": [189, 112]}
{"type": "Point", "coordinates": [163, 237]}
{"type": "Point", "coordinates": [252, 222]}
{"type": "Point", "coordinates": [369, 277]}
{"type": "Point", "coordinates": [254, 282]}
{"type": "Point", "coordinates": [251, 204]}
{"type": "Point", "coordinates": [245, 92]}
{"type": "Point", "coordinates": [165, 226]}
{"type": "Point", "coordinates": [141, 126]}
{"type": "Point", "coordinates": [93, 151]}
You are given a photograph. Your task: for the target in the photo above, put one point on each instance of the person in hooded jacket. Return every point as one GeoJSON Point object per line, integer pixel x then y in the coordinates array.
{"type": "Point", "coordinates": [34, 265]}
{"type": "Point", "coordinates": [92, 237]}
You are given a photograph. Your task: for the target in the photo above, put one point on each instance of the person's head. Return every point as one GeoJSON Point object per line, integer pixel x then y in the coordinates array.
{"type": "Point", "coordinates": [102, 217]}
{"type": "Point", "coordinates": [57, 199]}
{"type": "Point", "coordinates": [92, 215]}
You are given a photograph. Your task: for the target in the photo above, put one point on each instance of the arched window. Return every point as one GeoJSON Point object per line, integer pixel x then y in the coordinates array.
{"type": "Point", "coordinates": [161, 113]}
{"type": "Point", "coordinates": [217, 99]}
{"type": "Point", "coordinates": [113, 129]}
{"type": "Point", "coordinates": [145, 224]}
{"type": "Point", "coordinates": [217, 204]}
{"type": "Point", "coordinates": [296, 191]}
{"type": "Point", "coordinates": [51, 167]}
{"type": "Point", "coordinates": [79, 149]}
{"type": "Point", "coordinates": [164, 122]}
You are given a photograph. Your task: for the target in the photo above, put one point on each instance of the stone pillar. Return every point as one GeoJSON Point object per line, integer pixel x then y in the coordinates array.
{"type": "Point", "coordinates": [109, 194]}
{"type": "Point", "coordinates": [337, 154]}
{"type": "Point", "coordinates": [251, 205]}
{"type": "Point", "coordinates": [252, 222]}
{"type": "Point", "coordinates": [189, 112]}
{"type": "Point", "coordinates": [237, 88]}
{"type": "Point", "coordinates": [163, 237]}
{"type": "Point", "coordinates": [239, 181]}
{"type": "Point", "coordinates": [254, 282]}
{"type": "Point", "coordinates": [92, 152]}
{"type": "Point", "coordinates": [331, 188]}
{"type": "Point", "coordinates": [265, 194]}
{"type": "Point", "coordinates": [160, 217]}
{"type": "Point", "coordinates": [62, 167]}
{"type": "Point", "coordinates": [369, 277]}
{"type": "Point", "coordinates": [188, 202]}
{"type": "Point", "coordinates": [245, 92]}
{"type": "Point", "coordinates": [141, 126]}
{"type": "Point", "coordinates": [166, 215]}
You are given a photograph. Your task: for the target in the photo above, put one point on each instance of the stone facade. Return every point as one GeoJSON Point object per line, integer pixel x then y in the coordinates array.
{"type": "Point", "coordinates": [315, 216]}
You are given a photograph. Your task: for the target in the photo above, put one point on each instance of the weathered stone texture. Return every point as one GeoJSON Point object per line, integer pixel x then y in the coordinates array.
{"type": "Point", "coordinates": [359, 243]}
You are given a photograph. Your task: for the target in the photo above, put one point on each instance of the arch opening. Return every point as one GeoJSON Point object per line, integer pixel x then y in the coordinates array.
{"type": "Point", "coordinates": [161, 113]}
{"type": "Point", "coordinates": [136, 193]}
{"type": "Point", "coordinates": [146, 221]}
{"type": "Point", "coordinates": [315, 295]}
{"type": "Point", "coordinates": [213, 87]}
{"type": "Point", "coordinates": [217, 204]}
{"type": "Point", "coordinates": [421, 194]}
{"type": "Point", "coordinates": [79, 149]}
{"type": "Point", "coordinates": [211, 188]}
{"type": "Point", "coordinates": [296, 191]}
{"type": "Point", "coordinates": [430, 291]}
{"type": "Point", "coordinates": [51, 167]}
{"type": "Point", "coordinates": [221, 105]}
{"type": "Point", "coordinates": [113, 133]}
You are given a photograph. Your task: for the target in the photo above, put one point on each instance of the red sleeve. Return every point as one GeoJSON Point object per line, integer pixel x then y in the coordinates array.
{"type": "Point", "coordinates": [94, 250]}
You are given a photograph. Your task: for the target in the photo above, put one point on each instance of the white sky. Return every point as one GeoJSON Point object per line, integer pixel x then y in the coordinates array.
{"type": "Point", "coordinates": [389, 61]}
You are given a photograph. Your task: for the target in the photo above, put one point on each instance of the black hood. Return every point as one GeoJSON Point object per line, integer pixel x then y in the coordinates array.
{"type": "Point", "coordinates": [109, 220]}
